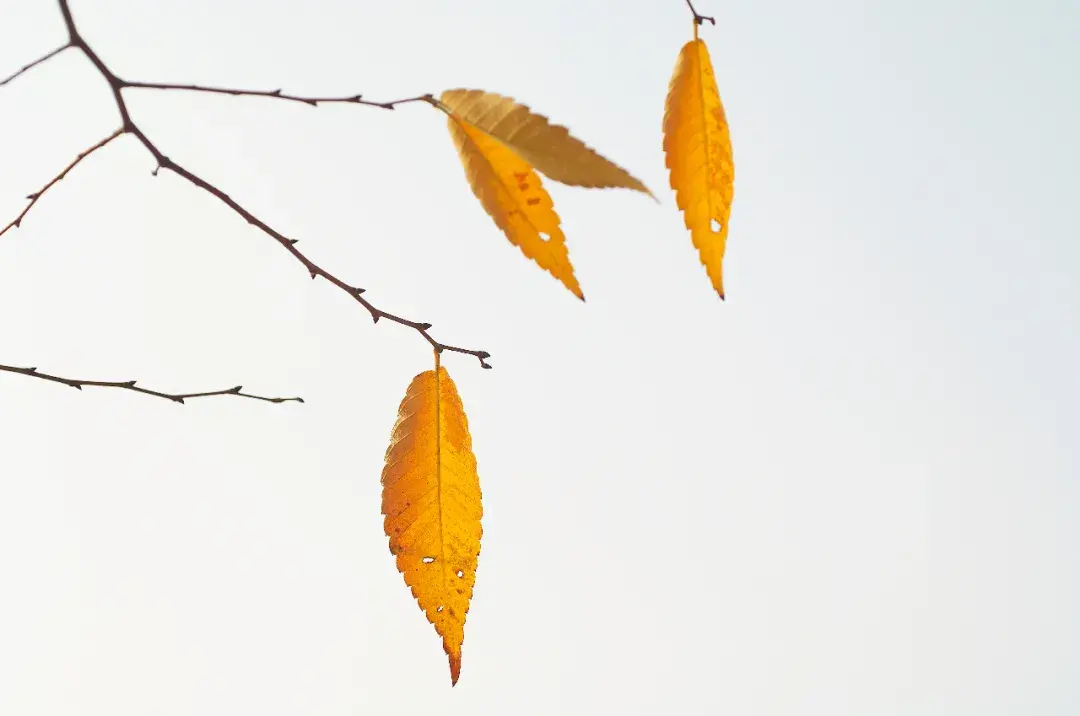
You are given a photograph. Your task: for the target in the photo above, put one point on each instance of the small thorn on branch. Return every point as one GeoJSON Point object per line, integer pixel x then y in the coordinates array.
{"type": "Point", "coordinates": [424, 327]}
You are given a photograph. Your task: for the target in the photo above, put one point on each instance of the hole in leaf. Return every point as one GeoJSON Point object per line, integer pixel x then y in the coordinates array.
{"type": "Point", "coordinates": [428, 560]}
{"type": "Point", "coordinates": [460, 574]}
{"type": "Point", "coordinates": [440, 608]}
{"type": "Point", "coordinates": [544, 237]}
{"type": "Point", "coordinates": [715, 226]}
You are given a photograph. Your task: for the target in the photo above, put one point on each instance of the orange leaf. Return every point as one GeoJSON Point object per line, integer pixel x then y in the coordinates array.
{"type": "Point", "coordinates": [697, 145]}
{"type": "Point", "coordinates": [513, 196]}
{"type": "Point", "coordinates": [550, 148]}
{"type": "Point", "coordinates": [431, 500]}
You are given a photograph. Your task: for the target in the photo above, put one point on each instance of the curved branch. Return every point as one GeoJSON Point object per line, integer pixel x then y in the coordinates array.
{"type": "Point", "coordinates": [132, 385]}
{"type": "Point", "coordinates": [33, 198]}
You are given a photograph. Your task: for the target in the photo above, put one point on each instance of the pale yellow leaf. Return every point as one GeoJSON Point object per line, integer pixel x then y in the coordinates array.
{"type": "Point", "coordinates": [549, 148]}
{"type": "Point", "coordinates": [697, 145]}
{"type": "Point", "coordinates": [512, 194]}
{"type": "Point", "coordinates": [431, 500]}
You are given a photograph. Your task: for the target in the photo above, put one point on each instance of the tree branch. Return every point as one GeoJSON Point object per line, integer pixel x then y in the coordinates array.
{"type": "Point", "coordinates": [132, 386]}
{"type": "Point", "coordinates": [275, 94]}
{"type": "Point", "coordinates": [313, 269]}
{"type": "Point", "coordinates": [128, 126]}
{"type": "Point", "coordinates": [33, 198]}
{"type": "Point", "coordinates": [699, 19]}
{"type": "Point", "coordinates": [35, 63]}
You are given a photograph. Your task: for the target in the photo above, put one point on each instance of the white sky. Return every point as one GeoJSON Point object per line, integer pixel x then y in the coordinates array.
{"type": "Point", "coordinates": [850, 489]}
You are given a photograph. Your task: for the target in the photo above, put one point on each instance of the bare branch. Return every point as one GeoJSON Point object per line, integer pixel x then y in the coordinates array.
{"type": "Point", "coordinates": [699, 19]}
{"type": "Point", "coordinates": [33, 198]}
{"type": "Point", "coordinates": [276, 94]}
{"type": "Point", "coordinates": [313, 269]}
{"type": "Point", "coordinates": [129, 126]}
{"type": "Point", "coordinates": [35, 63]}
{"type": "Point", "coordinates": [131, 385]}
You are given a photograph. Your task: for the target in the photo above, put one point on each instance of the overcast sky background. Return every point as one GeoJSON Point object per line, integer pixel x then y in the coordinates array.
{"type": "Point", "coordinates": [853, 488]}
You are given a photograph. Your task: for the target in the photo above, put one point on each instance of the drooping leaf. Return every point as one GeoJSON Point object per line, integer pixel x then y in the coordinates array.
{"type": "Point", "coordinates": [550, 148]}
{"type": "Point", "coordinates": [431, 500]}
{"type": "Point", "coordinates": [697, 146]}
{"type": "Point", "coordinates": [512, 194]}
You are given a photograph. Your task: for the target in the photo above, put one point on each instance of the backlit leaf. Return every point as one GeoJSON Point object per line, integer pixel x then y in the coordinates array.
{"type": "Point", "coordinates": [512, 194]}
{"type": "Point", "coordinates": [697, 145]}
{"type": "Point", "coordinates": [550, 148]}
{"type": "Point", "coordinates": [431, 500]}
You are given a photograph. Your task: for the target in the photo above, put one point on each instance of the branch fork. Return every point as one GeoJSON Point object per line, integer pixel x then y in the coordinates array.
{"type": "Point", "coordinates": [699, 19]}
{"type": "Point", "coordinates": [129, 126]}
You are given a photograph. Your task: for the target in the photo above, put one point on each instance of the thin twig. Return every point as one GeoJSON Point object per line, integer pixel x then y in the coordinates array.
{"type": "Point", "coordinates": [131, 385]}
{"type": "Point", "coordinates": [699, 19]}
{"type": "Point", "coordinates": [35, 63]}
{"type": "Point", "coordinates": [129, 126]}
{"type": "Point", "coordinates": [33, 198]}
{"type": "Point", "coordinates": [313, 269]}
{"type": "Point", "coordinates": [275, 94]}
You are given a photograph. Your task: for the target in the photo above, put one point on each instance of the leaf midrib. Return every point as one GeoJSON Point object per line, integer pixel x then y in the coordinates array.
{"type": "Point", "coordinates": [439, 476]}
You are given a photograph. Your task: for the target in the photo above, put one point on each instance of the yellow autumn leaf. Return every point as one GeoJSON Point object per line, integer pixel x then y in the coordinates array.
{"type": "Point", "coordinates": [431, 500]}
{"type": "Point", "coordinates": [550, 148]}
{"type": "Point", "coordinates": [512, 194]}
{"type": "Point", "coordinates": [697, 146]}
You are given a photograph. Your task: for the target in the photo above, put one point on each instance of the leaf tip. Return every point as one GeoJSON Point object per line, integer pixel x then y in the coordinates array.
{"type": "Point", "coordinates": [455, 669]}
